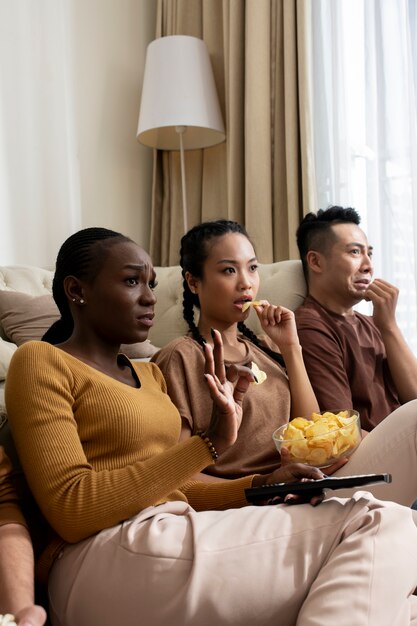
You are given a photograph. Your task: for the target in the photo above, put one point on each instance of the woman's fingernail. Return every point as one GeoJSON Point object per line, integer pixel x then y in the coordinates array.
{"type": "Point", "coordinates": [212, 332]}
{"type": "Point", "coordinates": [256, 380]}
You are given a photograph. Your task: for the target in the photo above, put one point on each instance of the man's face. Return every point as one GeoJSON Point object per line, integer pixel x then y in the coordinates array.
{"type": "Point", "coordinates": [347, 265]}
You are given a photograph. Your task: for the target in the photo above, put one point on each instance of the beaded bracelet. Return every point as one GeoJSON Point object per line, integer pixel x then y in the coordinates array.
{"type": "Point", "coordinates": [209, 445]}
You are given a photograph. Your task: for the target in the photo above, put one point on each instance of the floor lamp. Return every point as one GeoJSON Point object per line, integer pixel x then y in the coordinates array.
{"type": "Point", "coordinates": [179, 106]}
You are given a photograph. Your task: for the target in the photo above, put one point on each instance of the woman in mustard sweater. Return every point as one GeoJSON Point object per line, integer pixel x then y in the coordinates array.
{"type": "Point", "coordinates": [137, 539]}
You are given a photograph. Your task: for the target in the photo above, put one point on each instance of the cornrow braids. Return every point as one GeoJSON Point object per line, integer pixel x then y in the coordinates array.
{"type": "Point", "coordinates": [81, 255]}
{"type": "Point", "coordinates": [249, 334]}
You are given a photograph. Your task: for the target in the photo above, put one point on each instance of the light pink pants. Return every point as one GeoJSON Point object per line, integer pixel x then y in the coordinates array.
{"type": "Point", "coordinates": [391, 447]}
{"type": "Point", "coordinates": [344, 563]}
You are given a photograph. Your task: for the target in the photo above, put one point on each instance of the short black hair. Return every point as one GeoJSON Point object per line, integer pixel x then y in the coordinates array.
{"type": "Point", "coordinates": [314, 231]}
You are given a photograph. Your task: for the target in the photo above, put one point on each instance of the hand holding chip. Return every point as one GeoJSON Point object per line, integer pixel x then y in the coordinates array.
{"type": "Point", "coordinates": [278, 323]}
{"type": "Point", "coordinates": [7, 620]}
{"type": "Point", "coordinates": [34, 615]}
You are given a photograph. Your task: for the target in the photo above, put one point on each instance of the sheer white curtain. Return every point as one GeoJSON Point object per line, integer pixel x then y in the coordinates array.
{"type": "Point", "coordinates": [364, 59]}
{"type": "Point", "coordinates": [70, 76]}
{"type": "Point", "coordinates": [39, 186]}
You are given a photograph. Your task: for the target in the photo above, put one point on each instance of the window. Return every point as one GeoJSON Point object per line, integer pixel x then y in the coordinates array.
{"type": "Point", "coordinates": [364, 57]}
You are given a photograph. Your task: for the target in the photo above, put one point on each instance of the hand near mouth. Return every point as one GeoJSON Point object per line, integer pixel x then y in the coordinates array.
{"type": "Point", "coordinates": [384, 298]}
{"type": "Point", "coordinates": [279, 324]}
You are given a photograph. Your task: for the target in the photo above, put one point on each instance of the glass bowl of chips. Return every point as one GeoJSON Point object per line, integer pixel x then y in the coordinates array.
{"type": "Point", "coordinates": [320, 439]}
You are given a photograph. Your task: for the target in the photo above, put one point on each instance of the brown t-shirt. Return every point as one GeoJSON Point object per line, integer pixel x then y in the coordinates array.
{"type": "Point", "coordinates": [346, 362]}
{"type": "Point", "coordinates": [265, 406]}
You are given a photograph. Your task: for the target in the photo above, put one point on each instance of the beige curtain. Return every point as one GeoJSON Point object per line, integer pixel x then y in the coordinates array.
{"type": "Point", "coordinates": [263, 175]}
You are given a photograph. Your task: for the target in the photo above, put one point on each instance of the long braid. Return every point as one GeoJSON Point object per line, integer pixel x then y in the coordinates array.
{"type": "Point", "coordinates": [81, 256]}
{"type": "Point", "coordinates": [249, 334]}
{"type": "Point", "coordinates": [193, 254]}
{"type": "Point", "coordinates": [188, 303]}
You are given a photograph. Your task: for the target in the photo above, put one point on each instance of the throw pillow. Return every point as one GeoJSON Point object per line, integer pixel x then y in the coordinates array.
{"type": "Point", "coordinates": [6, 353]}
{"type": "Point", "coordinates": [25, 317]}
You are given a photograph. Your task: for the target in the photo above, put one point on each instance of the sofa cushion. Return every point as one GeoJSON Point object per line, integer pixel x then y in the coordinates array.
{"type": "Point", "coordinates": [25, 317]}
{"type": "Point", "coordinates": [6, 353]}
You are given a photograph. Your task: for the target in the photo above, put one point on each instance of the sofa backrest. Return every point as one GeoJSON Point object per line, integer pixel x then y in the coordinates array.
{"type": "Point", "coordinates": [23, 318]}
{"type": "Point", "coordinates": [280, 283]}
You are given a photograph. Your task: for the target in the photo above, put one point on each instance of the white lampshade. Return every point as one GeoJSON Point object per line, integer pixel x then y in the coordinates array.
{"type": "Point", "coordinates": [179, 91]}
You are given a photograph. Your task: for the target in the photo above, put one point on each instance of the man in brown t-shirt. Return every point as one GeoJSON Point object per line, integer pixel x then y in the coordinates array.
{"type": "Point", "coordinates": [353, 360]}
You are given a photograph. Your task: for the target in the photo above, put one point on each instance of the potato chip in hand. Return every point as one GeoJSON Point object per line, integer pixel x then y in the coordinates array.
{"type": "Point", "coordinates": [7, 620]}
{"type": "Point", "coordinates": [246, 305]}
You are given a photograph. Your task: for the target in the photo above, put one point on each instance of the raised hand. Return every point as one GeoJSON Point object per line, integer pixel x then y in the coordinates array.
{"type": "Point", "coordinates": [227, 389]}
{"type": "Point", "coordinates": [278, 323]}
{"type": "Point", "coordinates": [384, 298]}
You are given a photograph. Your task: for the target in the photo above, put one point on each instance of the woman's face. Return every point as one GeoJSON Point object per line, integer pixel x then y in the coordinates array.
{"type": "Point", "coordinates": [230, 278]}
{"type": "Point", "coordinates": [120, 301]}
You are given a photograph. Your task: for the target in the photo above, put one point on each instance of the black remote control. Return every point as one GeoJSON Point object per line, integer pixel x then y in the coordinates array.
{"type": "Point", "coordinates": [309, 488]}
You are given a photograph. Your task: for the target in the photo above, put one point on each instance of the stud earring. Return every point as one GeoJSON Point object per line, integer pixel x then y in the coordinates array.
{"type": "Point", "coordinates": [82, 301]}
{"type": "Point", "coordinates": [73, 299]}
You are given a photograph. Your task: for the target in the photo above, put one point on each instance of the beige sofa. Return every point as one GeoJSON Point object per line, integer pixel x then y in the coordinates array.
{"type": "Point", "coordinates": [27, 308]}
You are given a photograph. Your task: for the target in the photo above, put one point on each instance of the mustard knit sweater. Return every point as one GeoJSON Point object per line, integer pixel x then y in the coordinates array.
{"type": "Point", "coordinates": [96, 451]}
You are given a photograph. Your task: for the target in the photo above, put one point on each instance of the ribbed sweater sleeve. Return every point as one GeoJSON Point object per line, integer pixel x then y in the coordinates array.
{"type": "Point", "coordinates": [96, 451]}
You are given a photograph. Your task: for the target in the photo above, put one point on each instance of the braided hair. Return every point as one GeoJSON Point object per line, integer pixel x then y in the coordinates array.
{"type": "Point", "coordinates": [194, 251]}
{"type": "Point", "coordinates": [81, 255]}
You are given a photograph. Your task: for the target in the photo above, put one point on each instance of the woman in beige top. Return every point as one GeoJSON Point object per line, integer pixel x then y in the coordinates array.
{"type": "Point", "coordinates": [221, 279]}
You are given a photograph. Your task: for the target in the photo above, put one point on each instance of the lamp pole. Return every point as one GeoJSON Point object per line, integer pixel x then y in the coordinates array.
{"type": "Point", "coordinates": [181, 130]}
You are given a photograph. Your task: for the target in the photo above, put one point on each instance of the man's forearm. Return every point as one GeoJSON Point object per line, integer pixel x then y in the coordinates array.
{"type": "Point", "coordinates": [402, 364]}
{"type": "Point", "coordinates": [16, 569]}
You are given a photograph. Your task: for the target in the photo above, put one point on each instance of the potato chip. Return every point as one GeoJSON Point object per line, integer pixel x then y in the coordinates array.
{"type": "Point", "coordinates": [321, 439]}
{"type": "Point", "coordinates": [293, 433]}
{"type": "Point", "coordinates": [300, 422]}
{"type": "Point", "coordinates": [246, 305]}
{"type": "Point", "coordinates": [7, 619]}
{"type": "Point", "coordinates": [317, 455]}
{"type": "Point", "coordinates": [259, 374]}
{"type": "Point", "coordinates": [299, 449]}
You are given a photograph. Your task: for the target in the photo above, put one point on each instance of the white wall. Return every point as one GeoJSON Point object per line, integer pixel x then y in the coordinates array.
{"type": "Point", "coordinates": [110, 39]}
